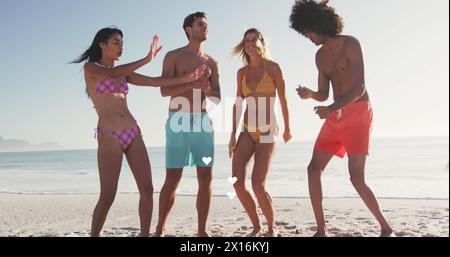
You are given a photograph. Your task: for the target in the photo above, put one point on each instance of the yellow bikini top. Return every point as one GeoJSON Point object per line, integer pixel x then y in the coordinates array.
{"type": "Point", "coordinates": [265, 86]}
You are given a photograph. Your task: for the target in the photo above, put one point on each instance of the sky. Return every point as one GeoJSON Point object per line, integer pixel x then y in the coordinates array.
{"type": "Point", "coordinates": [42, 99]}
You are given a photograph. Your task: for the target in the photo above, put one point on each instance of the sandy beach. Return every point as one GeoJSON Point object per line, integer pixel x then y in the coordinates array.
{"type": "Point", "coordinates": [70, 216]}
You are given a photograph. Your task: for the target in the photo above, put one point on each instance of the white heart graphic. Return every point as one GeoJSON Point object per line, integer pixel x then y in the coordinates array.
{"type": "Point", "coordinates": [207, 160]}
{"type": "Point", "coordinates": [231, 195]}
{"type": "Point", "coordinates": [232, 180]}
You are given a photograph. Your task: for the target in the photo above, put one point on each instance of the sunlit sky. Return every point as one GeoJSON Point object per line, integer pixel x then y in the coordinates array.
{"type": "Point", "coordinates": [405, 44]}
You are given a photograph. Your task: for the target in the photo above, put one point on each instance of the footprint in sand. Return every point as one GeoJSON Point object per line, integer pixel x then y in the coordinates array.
{"type": "Point", "coordinates": [344, 235]}
{"type": "Point", "coordinates": [358, 234]}
{"type": "Point", "coordinates": [337, 232]}
{"type": "Point", "coordinates": [290, 227]}
{"type": "Point", "coordinates": [133, 234]}
{"type": "Point", "coordinates": [129, 229]}
{"type": "Point", "coordinates": [403, 233]}
{"type": "Point", "coordinates": [72, 234]}
{"type": "Point", "coordinates": [281, 223]}
{"type": "Point", "coordinates": [312, 228]}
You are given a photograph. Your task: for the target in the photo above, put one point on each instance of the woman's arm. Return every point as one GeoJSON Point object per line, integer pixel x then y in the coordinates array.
{"type": "Point", "coordinates": [98, 72]}
{"type": "Point", "coordinates": [237, 113]}
{"type": "Point", "coordinates": [281, 89]}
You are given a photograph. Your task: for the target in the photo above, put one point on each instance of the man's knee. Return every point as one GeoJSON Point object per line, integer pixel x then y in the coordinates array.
{"type": "Point", "coordinates": [314, 171]}
{"type": "Point", "coordinates": [357, 181]}
{"type": "Point", "coordinates": [204, 181]}
{"type": "Point", "coordinates": [173, 177]}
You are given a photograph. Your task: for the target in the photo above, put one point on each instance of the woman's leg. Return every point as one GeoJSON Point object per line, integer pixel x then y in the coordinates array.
{"type": "Point", "coordinates": [245, 148]}
{"type": "Point", "coordinates": [109, 157]}
{"type": "Point", "coordinates": [263, 158]}
{"type": "Point", "coordinates": [139, 162]}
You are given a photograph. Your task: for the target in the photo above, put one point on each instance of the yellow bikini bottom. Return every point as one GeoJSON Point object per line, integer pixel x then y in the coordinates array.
{"type": "Point", "coordinates": [256, 132]}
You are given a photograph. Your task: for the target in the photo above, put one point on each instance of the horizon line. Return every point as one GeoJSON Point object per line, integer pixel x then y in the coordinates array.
{"type": "Point", "coordinates": [62, 149]}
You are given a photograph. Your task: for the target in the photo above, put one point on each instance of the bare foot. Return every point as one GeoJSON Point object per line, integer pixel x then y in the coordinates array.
{"type": "Point", "coordinates": [255, 233]}
{"type": "Point", "coordinates": [159, 233]}
{"type": "Point", "coordinates": [272, 233]}
{"type": "Point", "coordinates": [320, 234]}
{"type": "Point", "coordinates": [203, 234]}
{"type": "Point", "coordinates": [387, 233]}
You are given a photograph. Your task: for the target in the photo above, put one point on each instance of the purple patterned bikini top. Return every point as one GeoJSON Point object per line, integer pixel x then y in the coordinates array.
{"type": "Point", "coordinates": [108, 86]}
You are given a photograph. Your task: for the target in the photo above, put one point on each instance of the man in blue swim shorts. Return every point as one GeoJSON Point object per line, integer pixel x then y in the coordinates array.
{"type": "Point", "coordinates": [189, 130]}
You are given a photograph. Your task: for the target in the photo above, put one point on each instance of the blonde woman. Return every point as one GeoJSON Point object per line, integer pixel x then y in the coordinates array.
{"type": "Point", "coordinates": [258, 82]}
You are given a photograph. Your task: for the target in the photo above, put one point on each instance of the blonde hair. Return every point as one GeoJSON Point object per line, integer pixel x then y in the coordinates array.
{"type": "Point", "coordinates": [239, 50]}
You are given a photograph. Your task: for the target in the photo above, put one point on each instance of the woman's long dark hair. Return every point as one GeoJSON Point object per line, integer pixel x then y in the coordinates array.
{"type": "Point", "coordinates": [94, 52]}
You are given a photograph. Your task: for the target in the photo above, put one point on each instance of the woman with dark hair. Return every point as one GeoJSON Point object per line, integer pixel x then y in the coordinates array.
{"type": "Point", "coordinates": [349, 119]}
{"type": "Point", "coordinates": [117, 130]}
{"type": "Point", "coordinates": [258, 83]}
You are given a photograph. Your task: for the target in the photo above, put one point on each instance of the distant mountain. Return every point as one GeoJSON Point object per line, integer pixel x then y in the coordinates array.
{"type": "Point", "coordinates": [16, 145]}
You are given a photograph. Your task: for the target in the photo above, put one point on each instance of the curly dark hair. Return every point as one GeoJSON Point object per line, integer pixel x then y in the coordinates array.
{"type": "Point", "coordinates": [318, 17]}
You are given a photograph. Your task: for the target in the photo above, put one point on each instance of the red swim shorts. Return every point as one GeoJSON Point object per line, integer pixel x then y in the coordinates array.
{"type": "Point", "coordinates": [347, 131]}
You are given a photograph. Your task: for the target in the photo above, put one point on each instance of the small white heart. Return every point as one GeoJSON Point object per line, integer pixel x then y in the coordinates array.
{"type": "Point", "coordinates": [207, 160]}
{"type": "Point", "coordinates": [232, 180]}
{"type": "Point", "coordinates": [231, 195]}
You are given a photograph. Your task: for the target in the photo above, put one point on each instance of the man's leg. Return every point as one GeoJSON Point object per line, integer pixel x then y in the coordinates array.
{"type": "Point", "coordinates": [315, 168]}
{"type": "Point", "coordinates": [167, 197]}
{"type": "Point", "coordinates": [204, 177]}
{"type": "Point", "coordinates": [356, 165]}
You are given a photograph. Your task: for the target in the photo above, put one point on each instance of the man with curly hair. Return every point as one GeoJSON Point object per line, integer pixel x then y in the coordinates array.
{"type": "Point", "coordinates": [348, 121]}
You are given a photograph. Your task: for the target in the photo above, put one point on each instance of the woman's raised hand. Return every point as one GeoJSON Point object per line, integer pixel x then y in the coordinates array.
{"type": "Point", "coordinates": [154, 49]}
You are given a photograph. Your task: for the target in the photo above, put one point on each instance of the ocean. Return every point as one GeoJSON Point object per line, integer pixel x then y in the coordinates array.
{"type": "Point", "coordinates": [397, 168]}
